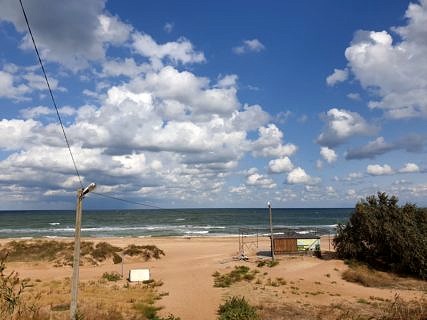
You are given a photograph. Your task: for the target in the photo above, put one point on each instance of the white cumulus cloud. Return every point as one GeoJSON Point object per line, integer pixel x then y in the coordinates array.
{"type": "Point", "coordinates": [254, 178]}
{"type": "Point", "coordinates": [270, 144]}
{"type": "Point", "coordinates": [337, 76]}
{"type": "Point", "coordinates": [341, 125]}
{"type": "Point", "coordinates": [280, 165]}
{"type": "Point", "coordinates": [299, 176]}
{"type": "Point", "coordinates": [379, 170]}
{"type": "Point", "coordinates": [410, 168]}
{"type": "Point", "coordinates": [253, 45]}
{"type": "Point", "coordinates": [328, 154]}
{"type": "Point", "coordinates": [394, 69]}
{"type": "Point", "coordinates": [180, 51]}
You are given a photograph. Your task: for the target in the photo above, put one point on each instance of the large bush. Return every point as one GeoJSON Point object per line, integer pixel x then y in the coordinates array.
{"type": "Point", "coordinates": [383, 234]}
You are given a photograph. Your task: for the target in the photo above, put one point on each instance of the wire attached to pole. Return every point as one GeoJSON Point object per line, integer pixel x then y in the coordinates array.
{"type": "Point", "coordinates": [51, 93]}
{"type": "Point", "coordinates": [62, 125]}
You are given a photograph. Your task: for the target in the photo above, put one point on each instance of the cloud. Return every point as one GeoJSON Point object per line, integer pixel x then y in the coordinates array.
{"type": "Point", "coordinates": [341, 125]}
{"type": "Point", "coordinates": [354, 96]}
{"type": "Point", "coordinates": [253, 45]}
{"type": "Point", "coordinates": [19, 133]}
{"type": "Point", "coordinates": [280, 165]}
{"type": "Point", "coordinates": [112, 31]}
{"type": "Point", "coordinates": [410, 168]}
{"type": "Point", "coordinates": [299, 176]}
{"type": "Point", "coordinates": [164, 127]}
{"type": "Point", "coordinates": [337, 76]}
{"type": "Point", "coordinates": [126, 67]}
{"type": "Point", "coordinates": [9, 88]}
{"type": "Point", "coordinates": [253, 178]}
{"type": "Point", "coordinates": [378, 170]}
{"type": "Point", "coordinates": [17, 83]}
{"type": "Point", "coordinates": [351, 194]}
{"type": "Point", "coordinates": [180, 51]}
{"type": "Point", "coordinates": [410, 143]}
{"type": "Point", "coordinates": [72, 35]}
{"type": "Point", "coordinates": [269, 143]}
{"type": "Point", "coordinates": [328, 154]}
{"type": "Point", "coordinates": [371, 150]}
{"type": "Point", "coordinates": [400, 90]}
{"type": "Point", "coordinates": [354, 176]}
{"type": "Point", "coordinates": [242, 190]}
{"type": "Point", "coordinates": [168, 27]}
{"type": "Point", "coordinates": [40, 111]}
{"type": "Point", "coordinates": [30, 113]}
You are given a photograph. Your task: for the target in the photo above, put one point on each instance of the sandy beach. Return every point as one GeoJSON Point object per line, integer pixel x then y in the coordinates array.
{"type": "Point", "coordinates": [187, 267]}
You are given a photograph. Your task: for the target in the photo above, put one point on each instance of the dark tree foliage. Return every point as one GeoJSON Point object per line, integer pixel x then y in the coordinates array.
{"type": "Point", "coordinates": [385, 235]}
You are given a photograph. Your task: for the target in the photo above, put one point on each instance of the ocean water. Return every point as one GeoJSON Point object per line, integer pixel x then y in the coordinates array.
{"type": "Point", "coordinates": [164, 222]}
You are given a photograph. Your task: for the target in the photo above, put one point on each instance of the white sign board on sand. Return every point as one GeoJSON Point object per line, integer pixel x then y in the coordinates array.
{"type": "Point", "coordinates": [139, 275]}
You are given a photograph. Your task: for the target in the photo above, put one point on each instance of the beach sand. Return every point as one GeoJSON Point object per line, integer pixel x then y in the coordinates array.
{"type": "Point", "coordinates": [187, 267]}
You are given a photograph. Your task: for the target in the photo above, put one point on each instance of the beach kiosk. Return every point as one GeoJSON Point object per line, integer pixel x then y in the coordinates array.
{"type": "Point", "coordinates": [296, 243]}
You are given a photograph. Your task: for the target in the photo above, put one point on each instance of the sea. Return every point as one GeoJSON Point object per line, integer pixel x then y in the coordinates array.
{"type": "Point", "coordinates": [169, 222]}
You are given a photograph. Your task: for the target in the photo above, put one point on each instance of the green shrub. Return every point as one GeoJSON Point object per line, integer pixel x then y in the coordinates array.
{"type": "Point", "coordinates": [238, 274]}
{"type": "Point", "coordinates": [236, 308]}
{"type": "Point", "coordinates": [15, 302]}
{"type": "Point", "coordinates": [149, 312]}
{"type": "Point", "coordinates": [111, 276]}
{"type": "Point", "coordinates": [385, 235]}
{"type": "Point", "coordinates": [272, 264]}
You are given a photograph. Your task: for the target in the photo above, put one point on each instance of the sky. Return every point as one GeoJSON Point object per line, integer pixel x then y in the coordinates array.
{"type": "Point", "coordinates": [214, 103]}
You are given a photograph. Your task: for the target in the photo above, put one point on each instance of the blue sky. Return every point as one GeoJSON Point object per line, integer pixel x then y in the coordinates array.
{"type": "Point", "coordinates": [214, 104]}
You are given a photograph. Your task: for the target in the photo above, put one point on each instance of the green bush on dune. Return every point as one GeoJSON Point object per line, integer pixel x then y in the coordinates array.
{"type": "Point", "coordinates": [236, 308]}
{"type": "Point", "coordinates": [385, 235]}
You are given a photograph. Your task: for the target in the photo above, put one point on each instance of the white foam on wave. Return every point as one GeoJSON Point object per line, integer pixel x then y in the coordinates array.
{"type": "Point", "coordinates": [54, 223]}
{"type": "Point", "coordinates": [196, 232]}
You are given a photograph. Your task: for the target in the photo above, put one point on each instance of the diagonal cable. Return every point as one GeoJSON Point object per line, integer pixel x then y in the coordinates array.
{"type": "Point", "coordinates": [51, 93]}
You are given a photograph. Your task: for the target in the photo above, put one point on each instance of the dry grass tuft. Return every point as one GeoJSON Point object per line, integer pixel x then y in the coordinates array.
{"type": "Point", "coordinates": [368, 277]}
{"type": "Point", "coordinates": [386, 310]}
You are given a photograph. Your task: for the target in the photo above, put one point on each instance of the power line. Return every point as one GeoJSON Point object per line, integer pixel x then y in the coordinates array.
{"type": "Point", "coordinates": [138, 203]}
{"type": "Point", "coordinates": [125, 200]}
{"type": "Point", "coordinates": [51, 93]}
{"type": "Point", "coordinates": [62, 125]}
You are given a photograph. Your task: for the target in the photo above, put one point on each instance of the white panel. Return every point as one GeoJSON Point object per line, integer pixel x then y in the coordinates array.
{"type": "Point", "coordinates": [139, 275]}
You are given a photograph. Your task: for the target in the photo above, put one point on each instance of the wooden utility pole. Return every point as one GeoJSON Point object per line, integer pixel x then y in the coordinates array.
{"type": "Point", "coordinates": [76, 259]}
{"type": "Point", "coordinates": [271, 231]}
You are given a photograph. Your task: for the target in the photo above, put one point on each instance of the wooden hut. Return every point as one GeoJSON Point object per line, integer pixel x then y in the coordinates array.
{"type": "Point", "coordinates": [295, 243]}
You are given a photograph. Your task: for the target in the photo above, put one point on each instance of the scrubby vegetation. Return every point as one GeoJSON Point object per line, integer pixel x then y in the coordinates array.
{"type": "Point", "coordinates": [147, 252]}
{"type": "Point", "coordinates": [61, 252]}
{"type": "Point", "coordinates": [13, 303]}
{"type": "Point", "coordinates": [386, 236]}
{"type": "Point", "coordinates": [237, 308]}
{"type": "Point", "coordinates": [21, 299]}
{"type": "Point", "coordinates": [239, 273]}
{"type": "Point", "coordinates": [398, 309]}
{"type": "Point", "coordinates": [111, 276]}
{"type": "Point", "coordinates": [367, 276]}
{"type": "Point", "coordinates": [268, 263]}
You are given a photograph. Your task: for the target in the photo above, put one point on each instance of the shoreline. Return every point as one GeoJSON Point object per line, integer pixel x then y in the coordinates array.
{"type": "Point", "coordinates": [325, 240]}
